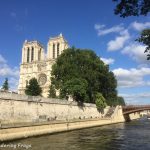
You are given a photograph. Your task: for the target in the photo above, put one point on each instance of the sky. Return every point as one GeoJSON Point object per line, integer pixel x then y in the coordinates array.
{"type": "Point", "coordinates": [89, 24]}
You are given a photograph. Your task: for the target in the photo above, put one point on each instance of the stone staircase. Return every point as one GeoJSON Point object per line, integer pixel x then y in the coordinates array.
{"type": "Point", "coordinates": [110, 112]}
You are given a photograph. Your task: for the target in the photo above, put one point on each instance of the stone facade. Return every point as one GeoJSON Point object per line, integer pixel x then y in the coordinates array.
{"type": "Point", "coordinates": [35, 63]}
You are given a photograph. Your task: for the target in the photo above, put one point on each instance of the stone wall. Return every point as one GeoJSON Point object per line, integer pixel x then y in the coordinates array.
{"type": "Point", "coordinates": [24, 116]}
{"type": "Point", "coordinates": [134, 116]}
{"type": "Point", "coordinates": [22, 108]}
{"type": "Point", "coordinates": [29, 131]}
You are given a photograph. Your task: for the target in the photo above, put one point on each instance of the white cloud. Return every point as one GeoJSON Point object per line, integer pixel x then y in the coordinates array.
{"type": "Point", "coordinates": [123, 34]}
{"type": "Point", "coordinates": [119, 41]}
{"type": "Point", "coordinates": [135, 98]}
{"type": "Point", "coordinates": [131, 77]}
{"type": "Point", "coordinates": [99, 26]}
{"type": "Point", "coordinates": [143, 65]}
{"type": "Point", "coordinates": [11, 73]}
{"type": "Point", "coordinates": [5, 70]}
{"type": "Point", "coordinates": [140, 26]}
{"type": "Point", "coordinates": [2, 59]}
{"type": "Point", "coordinates": [14, 83]}
{"type": "Point", "coordinates": [108, 61]}
{"type": "Point", "coordinates": [136, 52]}
{"type": "Point", "coordinates": [101, 30]}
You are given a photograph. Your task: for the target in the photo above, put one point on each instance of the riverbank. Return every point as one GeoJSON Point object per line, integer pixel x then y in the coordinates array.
{"type": "Point", "coordinates": [132, 135]}
{"type": "Point", "coordinates": [36, 130]}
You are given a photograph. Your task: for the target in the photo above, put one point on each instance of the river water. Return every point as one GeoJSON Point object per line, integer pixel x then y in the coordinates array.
{"type": "Point", "coordinates": [134, 135]}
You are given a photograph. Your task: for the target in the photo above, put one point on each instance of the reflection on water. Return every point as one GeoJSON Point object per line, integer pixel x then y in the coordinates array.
{"type": "Point", "coordinates": [124, 136]}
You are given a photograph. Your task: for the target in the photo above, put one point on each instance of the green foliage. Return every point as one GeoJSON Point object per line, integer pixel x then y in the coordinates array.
{"type": "Point", "coordinates": [5, 85]}
{"type": "Point", "coordinates": [52, 92]}
{"type": "Point", "coordinates": [100, 101]}
{"type": "Point", "coordinates": [121, 101]}
{"type": "Point", "coordinates": [76, 87]}
{"type": "Point", "coordinates": [108, 87]}
{"type": "Point", "coordinates": [145, 39]}
{"type": "Point", "coordinates": [33, 88]}
{"type": "Point", "coordinates": [126, 8]}
{"type": "Point", "coordinates": [81, 73]}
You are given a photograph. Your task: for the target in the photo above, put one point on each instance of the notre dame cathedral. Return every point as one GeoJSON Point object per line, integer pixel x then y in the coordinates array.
{"type": "Point", "coordinates": [35, 63]}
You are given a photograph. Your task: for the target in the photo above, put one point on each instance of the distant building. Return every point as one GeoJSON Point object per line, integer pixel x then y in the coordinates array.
{"type": "Point", "coordinates": [35, 63]}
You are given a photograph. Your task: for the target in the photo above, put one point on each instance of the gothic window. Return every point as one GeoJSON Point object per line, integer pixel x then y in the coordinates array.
{"type": "Point", "coordinates": [28, 54]}
{"type": "Point", "coordinates": [53, 50]}
{"type": "Point", "coordinates": [39, 54]}
{"type": "Point", "coordinates": [32, 54]}
{"type": "Point", "coordinates": [57, 49]}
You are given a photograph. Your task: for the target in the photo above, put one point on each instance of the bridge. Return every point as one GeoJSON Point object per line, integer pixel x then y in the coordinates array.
{"type": "Point", "coordinates": [127, 110]}
{"type": "Point", "coordinates": [134, 108]}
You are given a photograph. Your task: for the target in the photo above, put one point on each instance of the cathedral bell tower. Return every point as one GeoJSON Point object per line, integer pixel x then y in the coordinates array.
{"type": "Point", "coordinates": [55, 46]}
{"type": "Point", "coordinates": [32, 52]}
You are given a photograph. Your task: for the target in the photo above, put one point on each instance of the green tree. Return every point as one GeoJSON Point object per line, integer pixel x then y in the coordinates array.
{"type": "Point", "coordinates": [108, 87]}
{"type": "Point", "coordinates": [5, 85]}
{"type": "Point", "coordinates": [145, 39]}
{"type": "Point", "coordinates": [100, 101]}
{"type": "Point", "coordinates": [33, 88]}
{"type": "Point", "coordinates": [120, 101]}
{"type": "Point", "coordinates": [126, 8]}
{"type": "Point", "coordinates": [52, 92]}
{"type": "Point", "coordinates": [76, 87]}
{"type": "Point", "coordinates": [85, 72]}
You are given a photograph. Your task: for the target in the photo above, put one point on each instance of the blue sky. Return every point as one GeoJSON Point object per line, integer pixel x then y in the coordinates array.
{"type": "Point", "coordinates": [85, 24]}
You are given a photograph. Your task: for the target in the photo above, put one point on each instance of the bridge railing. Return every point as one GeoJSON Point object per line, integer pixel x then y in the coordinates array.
{"type": "Point", "coordinates": [135, 108]}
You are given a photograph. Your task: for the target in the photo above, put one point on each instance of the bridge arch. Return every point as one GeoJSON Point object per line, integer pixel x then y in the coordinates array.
{"type": "Point", "coordinates": [127, 110]}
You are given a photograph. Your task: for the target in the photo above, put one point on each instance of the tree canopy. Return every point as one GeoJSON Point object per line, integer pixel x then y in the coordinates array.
{"type": "Point", "coordinates": [121, 101]}
{"type": "Point", "coordinates": [52, 92]}
{"type": "Point", "coordinates": [5, 85]}
{"type": "Point", "coordinates": [100, 101]}
{"type": "Point", "coordinates": [126, 8]}
{"type": "Point", "coordinates": [76, 87]}
{"type": "Point", "coordinates": [82, 74]}
{"type": "Point", "coordinates": [33, 88]}
{"type": "Point", "coordinates": [145, 39]}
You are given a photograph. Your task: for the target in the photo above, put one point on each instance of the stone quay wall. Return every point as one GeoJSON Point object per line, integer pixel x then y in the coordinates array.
{"type": "Point", "coordinates": [24, 116]}
{"type": "Point", "coordinates": [23, 108]}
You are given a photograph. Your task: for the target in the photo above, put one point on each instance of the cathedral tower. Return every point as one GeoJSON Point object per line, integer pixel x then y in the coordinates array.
{"type": "Point", "coordinates": [32, 51]}
{"type": "Point", "coordinates": [55, 46]}
{"type": "Point", "coordinates": [36, 64]}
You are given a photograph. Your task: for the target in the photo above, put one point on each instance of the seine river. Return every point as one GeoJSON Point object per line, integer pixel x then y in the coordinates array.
{"type": "Point", "coordinates": [134, 135]}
